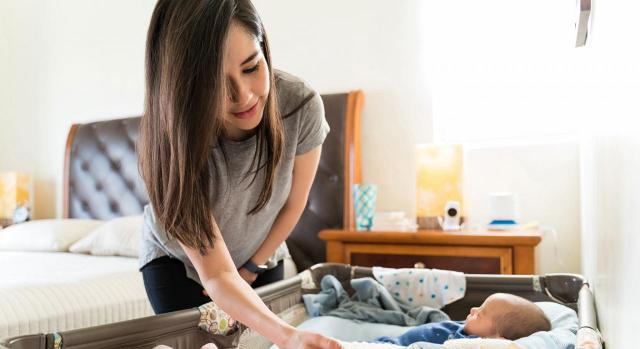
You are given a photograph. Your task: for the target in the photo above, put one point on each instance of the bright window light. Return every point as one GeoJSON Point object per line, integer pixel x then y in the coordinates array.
{"type": "Point", "coordinates": [503, 69]}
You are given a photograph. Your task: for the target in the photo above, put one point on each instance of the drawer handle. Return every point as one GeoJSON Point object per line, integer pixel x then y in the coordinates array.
{"type": "Point", "coordinates": [419, 265]}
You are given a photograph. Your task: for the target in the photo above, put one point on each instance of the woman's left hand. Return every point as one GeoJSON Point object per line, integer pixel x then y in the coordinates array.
{"type": "Point", "coordinates": [248, 276]}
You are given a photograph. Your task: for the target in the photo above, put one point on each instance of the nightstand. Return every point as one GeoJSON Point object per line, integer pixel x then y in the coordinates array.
{"type": "Point", "coordinates": [475, 252]}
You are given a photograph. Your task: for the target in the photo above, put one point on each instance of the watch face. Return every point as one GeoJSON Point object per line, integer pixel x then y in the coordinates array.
{"type": "Point", "coordinates": [21, 214]}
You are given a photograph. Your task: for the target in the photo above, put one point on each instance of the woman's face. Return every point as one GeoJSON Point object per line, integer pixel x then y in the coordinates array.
{"type": "Point", "coordinates": [247, 74]}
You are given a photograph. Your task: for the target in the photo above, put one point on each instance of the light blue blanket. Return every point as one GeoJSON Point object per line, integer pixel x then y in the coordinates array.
{"type": "Point", "coordinates": [371, 302]}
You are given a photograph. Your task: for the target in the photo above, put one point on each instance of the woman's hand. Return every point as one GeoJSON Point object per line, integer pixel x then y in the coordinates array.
{"type": "Point", "coordinates": [310, 340]}
{"type": "Point", "coordinates": [248, 276]}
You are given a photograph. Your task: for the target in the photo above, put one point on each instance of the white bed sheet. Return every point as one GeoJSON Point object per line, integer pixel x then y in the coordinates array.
{"type": "Point", "coordinates": [57, 291]}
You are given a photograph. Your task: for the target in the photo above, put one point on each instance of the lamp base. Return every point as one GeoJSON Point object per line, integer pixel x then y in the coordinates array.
{"type": "Point", "coordinates": [433, 223]}
{"type": "Point", "coordinates": [5, 222]}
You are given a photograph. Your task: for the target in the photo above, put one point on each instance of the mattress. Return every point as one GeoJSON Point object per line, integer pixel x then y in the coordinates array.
{"type": "Point", "coordinates": [42, 292]}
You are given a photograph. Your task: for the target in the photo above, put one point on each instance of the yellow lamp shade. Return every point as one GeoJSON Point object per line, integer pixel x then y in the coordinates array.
{"type": "Point", "coordinates": [439, 179]}
{"type": "Point", "coordinates": [15, 190]}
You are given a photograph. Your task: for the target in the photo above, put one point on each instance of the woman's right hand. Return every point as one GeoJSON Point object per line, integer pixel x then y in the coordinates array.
{"type": "Point", "coordinates": [310, 340]}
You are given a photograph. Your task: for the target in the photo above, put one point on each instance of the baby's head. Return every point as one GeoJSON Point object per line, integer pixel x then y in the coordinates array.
{"type": "Point", "coordinates": [506, 316]}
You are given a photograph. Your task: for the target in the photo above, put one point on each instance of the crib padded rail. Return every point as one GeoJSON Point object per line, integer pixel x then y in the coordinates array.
{"type": "Point", "coordinates": [180, 329]}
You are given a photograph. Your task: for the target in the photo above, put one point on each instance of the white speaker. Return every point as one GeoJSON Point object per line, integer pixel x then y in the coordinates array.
{"type": "Point", "coordinates": [502, 211]}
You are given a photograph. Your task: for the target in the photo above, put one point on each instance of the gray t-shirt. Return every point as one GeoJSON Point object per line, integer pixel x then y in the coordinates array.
{"type": "Point", "coordinates": [231, 195]}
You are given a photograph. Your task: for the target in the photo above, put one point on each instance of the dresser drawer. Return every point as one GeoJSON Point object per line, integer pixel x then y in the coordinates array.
{"type": "Point", "coordinates": [469, 265]}
{"type": "Point", "coordinates": [467, 259]}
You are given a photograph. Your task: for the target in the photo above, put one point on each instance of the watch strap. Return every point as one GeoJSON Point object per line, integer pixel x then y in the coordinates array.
{"type": "Point", "coordinates": [252, 267]}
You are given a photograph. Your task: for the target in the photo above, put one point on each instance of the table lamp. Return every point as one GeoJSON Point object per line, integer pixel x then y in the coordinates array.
{"type": "Point", "coordinates": [439, 181]}
{"type": "Point", "coordinates": [16, 193]}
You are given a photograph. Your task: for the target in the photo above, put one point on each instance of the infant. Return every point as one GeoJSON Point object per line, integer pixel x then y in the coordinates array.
{"type": "Point", "coordinates": [500, 316]}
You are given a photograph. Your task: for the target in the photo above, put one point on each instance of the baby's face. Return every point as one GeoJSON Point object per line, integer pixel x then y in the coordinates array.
{"type": "Point", "coordinates": [480, 321]}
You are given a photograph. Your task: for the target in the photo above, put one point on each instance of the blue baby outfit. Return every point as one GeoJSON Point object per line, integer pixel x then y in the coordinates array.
{"type": "Point", "coordinates": [436, 332]}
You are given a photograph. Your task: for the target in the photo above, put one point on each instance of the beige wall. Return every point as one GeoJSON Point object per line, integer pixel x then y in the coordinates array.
{"type": "Point", "coordinates": [545, 178]}
{"type": "Point", "coordinates": [83, 61]}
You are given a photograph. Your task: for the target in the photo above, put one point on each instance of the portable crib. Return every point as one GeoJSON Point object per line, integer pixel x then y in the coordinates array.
{"type": "Point", "coordinates": [181, 329]}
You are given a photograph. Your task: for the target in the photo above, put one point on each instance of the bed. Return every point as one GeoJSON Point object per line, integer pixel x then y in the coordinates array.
{"type": "Point", "coordinates": [60, 291]}
{"type": "Point", "coordinates": [46, 291]}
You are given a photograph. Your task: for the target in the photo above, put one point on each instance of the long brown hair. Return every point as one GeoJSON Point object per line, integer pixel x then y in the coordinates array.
{"type": "Point", "coordinates": [182, 121]}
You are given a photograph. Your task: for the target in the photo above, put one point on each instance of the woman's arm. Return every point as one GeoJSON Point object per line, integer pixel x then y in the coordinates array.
{"type": "Point", "coordinates": [233, 295]}
{"type": "Point", "coordinates": [304, 171]}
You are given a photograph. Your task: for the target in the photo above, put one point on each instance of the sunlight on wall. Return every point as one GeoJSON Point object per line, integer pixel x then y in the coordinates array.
{"type": "Point", "coordinates": [503, 69]}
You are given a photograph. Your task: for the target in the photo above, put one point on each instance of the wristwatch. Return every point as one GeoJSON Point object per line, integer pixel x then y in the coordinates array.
{"type": "Point", "coordinates": [252, 267]}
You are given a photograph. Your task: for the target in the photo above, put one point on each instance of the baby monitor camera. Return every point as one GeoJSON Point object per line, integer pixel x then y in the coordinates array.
{"type": "Point", "coordinates": [451, 220]}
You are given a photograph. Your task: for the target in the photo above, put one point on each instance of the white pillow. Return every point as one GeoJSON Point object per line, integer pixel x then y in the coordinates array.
{"type": "Point", "coordinates": [117, 237]}
{"type": "Point", "coordinates": [564, 325]}
{"type": "Point", "coordinates": [48, 235]}
{"type": "Point", "coordinates": [480, 343]}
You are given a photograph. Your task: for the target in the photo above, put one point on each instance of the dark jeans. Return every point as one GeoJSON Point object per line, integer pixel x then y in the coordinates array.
{"type": "Point", "coordinates": [169, 288]}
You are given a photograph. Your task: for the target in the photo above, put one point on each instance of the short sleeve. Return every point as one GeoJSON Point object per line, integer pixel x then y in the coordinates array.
{"type": "Point", "coordinates": [313, 127]}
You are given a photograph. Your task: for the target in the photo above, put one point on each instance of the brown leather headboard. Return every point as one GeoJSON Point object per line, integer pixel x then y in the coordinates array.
{"type": "Point", "coordinates": [101, 179]}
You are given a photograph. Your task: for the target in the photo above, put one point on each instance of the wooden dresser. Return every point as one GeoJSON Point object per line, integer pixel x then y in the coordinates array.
{"type": "Point", "coordinates": [477, 252]}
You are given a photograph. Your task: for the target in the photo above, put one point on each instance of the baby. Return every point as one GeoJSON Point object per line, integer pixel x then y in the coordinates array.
{"type": "Point", "coordinates": [500, 316]}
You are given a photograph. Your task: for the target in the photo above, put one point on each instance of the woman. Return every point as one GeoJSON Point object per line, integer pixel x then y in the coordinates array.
{"type": "Point", "coordinates": [228, 152]}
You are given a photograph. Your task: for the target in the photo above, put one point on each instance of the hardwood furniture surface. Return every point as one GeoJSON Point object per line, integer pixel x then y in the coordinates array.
{"type": "Point", "coordinates": [477, 252]}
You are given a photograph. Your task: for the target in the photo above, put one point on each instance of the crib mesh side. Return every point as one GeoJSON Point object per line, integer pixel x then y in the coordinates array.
{"type": "Point", "coordinates": [138, 333]}
{"type": "Point", "coordinates": [560, 288]}
{"type": "Point", "coordinates": [180, 330]}
{"type": "Point", "coordinates": [281, 295]}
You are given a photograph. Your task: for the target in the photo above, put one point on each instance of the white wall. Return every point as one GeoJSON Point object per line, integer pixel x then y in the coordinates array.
{"type": "Point", "coordinates": [69, 61]}
{"type": "Point", "coordinates": [395, 53]}
{"type": "Point", "coordinates": [609, 168]}
{"type": "Point", "coordinates": [544, 177]}
{"type": "Point", "coordinates": [611, 235]}
{"type": "Point", "coordinates": [374, 45]}
{"type": "Point", "coordinates": [19, 61]}
{"type": "Point", "coordinates": [83, 61]}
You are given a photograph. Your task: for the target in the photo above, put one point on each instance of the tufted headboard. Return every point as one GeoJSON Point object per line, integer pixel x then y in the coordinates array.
{"type": "Point", "coordinates": [101, 178]}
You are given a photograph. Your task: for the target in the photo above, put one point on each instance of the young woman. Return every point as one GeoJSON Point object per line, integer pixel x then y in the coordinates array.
{"type": "Point", "coordinates": [228, 152]}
